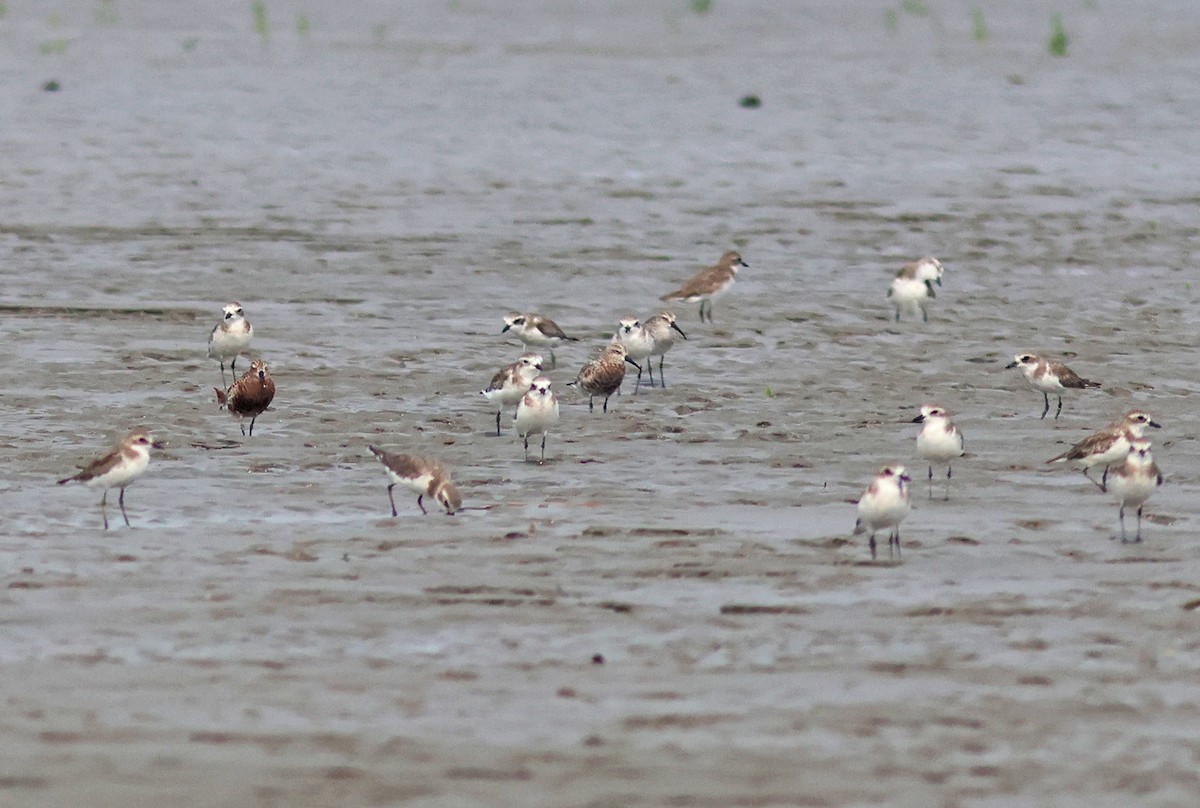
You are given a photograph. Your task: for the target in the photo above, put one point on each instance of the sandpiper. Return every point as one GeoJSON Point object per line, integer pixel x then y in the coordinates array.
{"type": "Point", "coordinates": [123, 464]}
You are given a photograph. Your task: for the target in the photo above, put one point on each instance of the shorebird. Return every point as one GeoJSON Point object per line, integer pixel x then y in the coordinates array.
{"type": "Point", "coordinates": [424, 476]}
{"type": "Point", "coordinates": [939, 441]}
{"type": "Point", "coordinates": [912, 289]}
{"type": "Point", "coordinates": [1133, 481]}
{"type": "Point", "coordinates": [884, 505]}
{"type": "Point", "coordinates": [1049, 377]}
{"type": "Point", "coordinates": [537, 413]}
{"type": "Point", "coordinates": [123, 464]}
{"type": "Point", "coordinates": [511, 383]}
{"type": "Point", "coordinates": [250, 395]}
{"type": "Point", "coordinates": [536, 330]}
{"type": "Point", "coordinates": [230, 337]}
{"type": "Point", "coordinates": [603, 375]}
{"type": "Point", "coordinates": [709, 283]}
{"type": "Point", "coordinates": [1107, 446]}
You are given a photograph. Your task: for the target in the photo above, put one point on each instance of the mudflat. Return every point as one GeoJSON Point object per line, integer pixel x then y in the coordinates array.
{"type": "Point", "coordinates": [671, 610]}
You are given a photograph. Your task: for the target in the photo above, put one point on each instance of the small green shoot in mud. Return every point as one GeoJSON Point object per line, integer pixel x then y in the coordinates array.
{"type": "Point", "coordinates": [702, 6]}
{"type": "Point", "coordinates": [979, 29]}
{"type": "Point", "coordinates": [915, 7]}
{"type": "Point", "coordinates": [770, 393]}
{"type": "Point", "coordinates": [1058, 36]}
{"type": "Point", "coordinates": [891, 20]}
{"type": "Point", "coordinates": [379, 33]}
{"type": "Point", "coordinates": [303, 25]}
{"type": "Point", "coordinates": [260, 20]}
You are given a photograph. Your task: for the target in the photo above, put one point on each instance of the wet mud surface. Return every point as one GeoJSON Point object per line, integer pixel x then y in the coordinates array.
{"type": "Point", "coordinates": [671, 610]}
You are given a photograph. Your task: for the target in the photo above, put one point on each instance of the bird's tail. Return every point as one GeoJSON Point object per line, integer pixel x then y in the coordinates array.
{"type": "Point", "coordinates": [221, 397]}
{"type": "Point", "coordinates": [1089, 383]}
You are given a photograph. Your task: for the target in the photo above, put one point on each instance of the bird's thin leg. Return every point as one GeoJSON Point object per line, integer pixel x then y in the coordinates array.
{"type": "Point", "coordinates": [924, 314]}
{"type": "Point", "coordinates": [1138, 537]}
{"type": "Point", "coordinates": [1093, 482]}
{"type": "Point", "coordinates": [104, 507]}
{"type": "Point", "coordinates": [931, 481]}
{"type": "Point", "coordinates": [497, 423]}
{"type": "Point", "coordinates": [420, 504]}
{"type": "Point", "coordinates": [224, 384]}
{"type": "Point", "coordinates": [391, 499]}
{"type": "Point", "coordinates": [897, 314]}
{"type": "Point", "coordinates": [662, 380]}
{"type": "Point", "coordinates": [526, 448]}
{"type": "Point", "coordinates": [543, 447]}
{"type": "Point", "coordinates": [252, 420]}
{"type": "Point", "coordinates": [871, 543]}
{"type": "Point", "coordinates": [1058, 412]}
{"type": "Point", "coordinates": [121, 502]}
{"type": "Point", "coordinates": [896, 539]}
{"type": "Point", "coordinates": [233, 367]}
{"type": "Point", "coordinates": [637, 383]}
{"type": "Point", "coordinates": [1047, 409]}
{"type": "Point", "coordinates": [650, 370]}
{"type": "Point", "coordinates": [591, 404]}
{"type": "Point", "coordinates": [553, 361]}
{"type": "Point", "coordinates": [606, 402]}
{"type": "Point", "coordinates": [1121, 516]}
{"type": "Point", "coordinates": [949, 472]}
{"type": "Point", "coordinates": [243, 426]}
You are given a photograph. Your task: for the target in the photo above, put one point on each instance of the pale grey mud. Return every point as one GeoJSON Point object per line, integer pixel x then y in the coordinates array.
{"type": "Point", "coordinates": [670, 611]}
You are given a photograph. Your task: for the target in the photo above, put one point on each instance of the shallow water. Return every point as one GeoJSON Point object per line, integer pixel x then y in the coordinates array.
{"type": "Point", "coordinates": [378, 193]}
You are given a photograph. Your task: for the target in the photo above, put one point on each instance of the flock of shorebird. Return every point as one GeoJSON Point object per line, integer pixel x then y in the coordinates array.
{"type": "Point", "coordinates": [1120, 452]}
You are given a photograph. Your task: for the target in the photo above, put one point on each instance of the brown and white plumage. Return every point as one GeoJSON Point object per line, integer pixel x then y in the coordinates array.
{"type": "Point", "coordinates": [230, 337]}
{"type": "Point", "coordinates": [424, 476]}
{"type": "Point", "coordinates": [1107, 446]}
{"type": "Point", "coordinates": [534, 329]}
{"type": "Point", "coordinates": [511, 383]}
{"type": "Point", "coordinates": [884, 505]}
{"type": "Point", "coordinates": [708, 283]}
{"type": "Point", "coordinates": [537, 413]}
{"type": "Point", "coordinates": [250, 395]}
{"type": "Point", "coordinates": [1049, 377]}
{"type": "Point", "coordinates": [939, 441]}
{"type": "Point", "coordinates": [662, 329]}
{"type": "Point", "coordinates": [1133, 480]}
{"type": "Point", "coordinates": [118, 468]}
{"type": "Point", "coordinates": [912, 288]}
{"type": "Point", "coordinates": [603, 375]}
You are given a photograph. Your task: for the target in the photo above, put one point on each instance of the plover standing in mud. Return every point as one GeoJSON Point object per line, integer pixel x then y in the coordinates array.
{"type": "Point", "coordinates": [709, 283]}
{"type": "Point", "coordinates": [603, 375]}
{"type": "Point", "coordinates": [939, 441]}
{"type": "Point", "coordinates": [230, 337]}
{"type": "Point", "coordinates": [662, 328]}
{"type": "Point", "coordinates": [537, 413]}
{"type": "Point", "coordinates": [536, 330]}
{"type": "Point", "coordinates": [118, 469]}
{"type": "Point", "coordinates": [1133, 480]}
{"type": "Point", "coordinates": [250, 395]}
{"type": "Point", "coordinates": [424, 476]}
{"type": "Point", "coordinates": [884, 505]}
{"type": "Point", "coordinates": [1049, 377]}
{"type": "Point", "coordinates": [511, 383]}
{"type": "Point", "coordinates": [912, 288]}
{"type": "Point", "coordinates": [638, 345]}
{"type": "Point", "coordinates": [1107, 446]}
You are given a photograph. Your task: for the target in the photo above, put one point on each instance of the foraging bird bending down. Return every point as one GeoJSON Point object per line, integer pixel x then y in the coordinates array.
{"type": "Point", "coordinates": [423, 476]}
{"type": "Point", "coordinates": [119, 468]}
{"type": "Point", "coordinates": [912, 288]}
